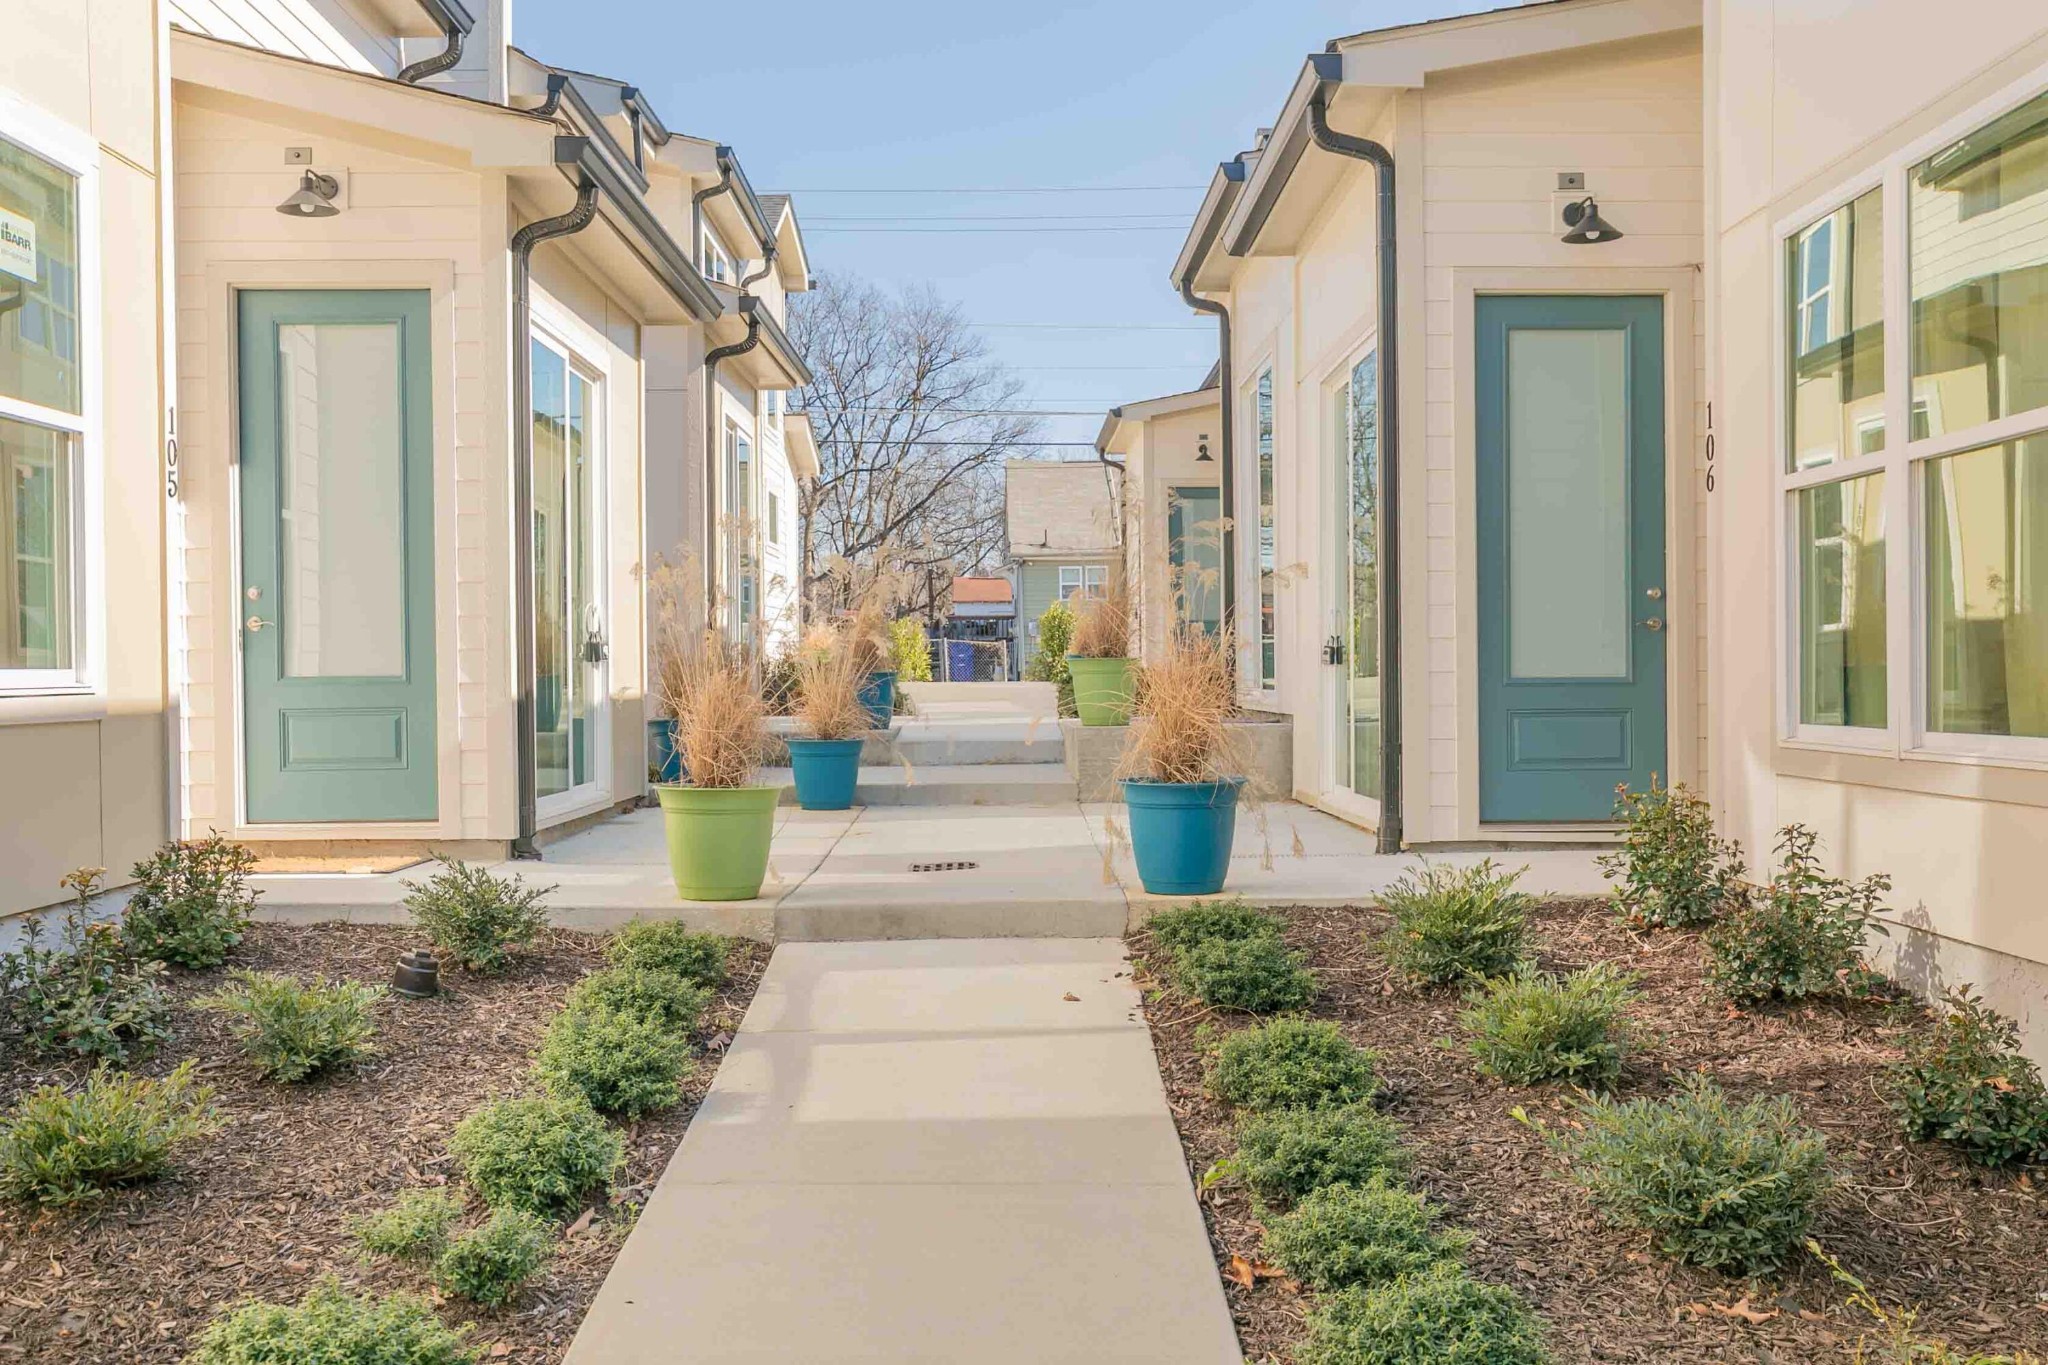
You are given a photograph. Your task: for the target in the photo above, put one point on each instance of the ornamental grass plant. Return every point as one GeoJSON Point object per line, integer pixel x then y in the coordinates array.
{"type": "Point", "coordinates": [830, 677]}
{"type": "Point", "coordinates": [1180, 725]}
{"type": "Point", "coordinates": [1102, 622]}
{"type": "Point", "coordinates": [713, 691]}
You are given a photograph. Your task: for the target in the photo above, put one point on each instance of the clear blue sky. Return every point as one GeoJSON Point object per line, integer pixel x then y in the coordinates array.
{"type": "Point", "coordinates": [922, 95]}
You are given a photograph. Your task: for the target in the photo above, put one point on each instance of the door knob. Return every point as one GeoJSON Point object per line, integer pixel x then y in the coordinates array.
{"type": "Point", "coordinates": [254, 624]}
{"type": "Point", "coordinates": [1654, 623]}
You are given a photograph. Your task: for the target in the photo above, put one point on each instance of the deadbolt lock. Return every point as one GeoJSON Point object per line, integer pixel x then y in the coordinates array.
{"type": "Point", "coordinates": [253, 594]}
{"type": "Point", "coordinates": [1654, 594]}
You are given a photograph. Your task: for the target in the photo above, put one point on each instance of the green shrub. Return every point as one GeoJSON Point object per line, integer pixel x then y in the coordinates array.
{"type": "Point", "coordinates": [476, 918]}
{"type": "Point", "coordinates": [91, 996]}
{"type": "Point", "coordinates": [623, 1063]}
{"type": "Point", "coordinates": [544, 1152]}
{"type": "Point", "coordinates": [1049, 662]}
{"type": "Point", "coordinates": [191, 903]}
{"type": "Point", "coordinates": [331, 1326]}
{"type": "Point", "coordinates": [1289, 1153]}
{"type": "Point", "coordinates": [1439, 1318]}
{"type": "Point", "coordinates": [910, 652]}
{"type": "Point", "coordinates": [413, 1229]}
{"type": "Point", "coordinates": [1344, 1235]}
{"type": "Point", "coordinates": [1292, 1064]}
{"type": "Point", "coordinates": [1965, 1082]}
{"type": "Point", "coordinates": [1533, 1027]}
{"type": "Point", "coordinates": [666, 945]}
{"type": "Point", "coordinates": [1256, 974]}
{"type": "Point", "coordinates": [649, 992]}
{"type": "Point", "coordinates": [1727, 1186]}
{"type": "Point", "coordinates": [1803, 936]}
{"type": "Point", "coordinates": [1175, 930]}
{"type": "Point", "coordinates": [1672, 868]}
{"type": "Point", "coordinates": [493, 1263]}
{"type": "Point", "coordinates": [64, 1147]}
{"type": "Point", "coordinates": [1456, 924]}
{"type": "Point", "coordinates": [292, 1030]}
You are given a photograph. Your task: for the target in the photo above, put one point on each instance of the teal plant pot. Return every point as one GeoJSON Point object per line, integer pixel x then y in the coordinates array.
{"type": "Point", "coordinates": [826, 772]}
{"type": "Point", "coordinates": [668, 760]}
{"type": "Point", "coordinates": [1181, 833]}
{"type": "Point", "coordinates": [878, 694]}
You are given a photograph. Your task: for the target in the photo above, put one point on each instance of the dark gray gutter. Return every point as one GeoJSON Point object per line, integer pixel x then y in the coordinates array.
{"type": "Point", "coordinates": [1329, 70]}
{"type": "Point", "coordinates": [777, 340]}
{"type": "Point", "coordinates": [647, 125]}
{"type": "Point", "coordinates": [727, 166]}
{"type": "Point", "coordinates": [454, 22]}
{"type": "Point", "coordinates": [562, 90]}
{"type": "Point", "coordinates": [660, 252]}
{"type": "Point", "coordinates": [1226, 469]}
{"type": "Point", "coordinates": [523, 243]}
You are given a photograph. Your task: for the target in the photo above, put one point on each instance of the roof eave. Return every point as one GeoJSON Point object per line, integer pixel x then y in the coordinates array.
{"type": "Point", "coordinates": [660, 252]}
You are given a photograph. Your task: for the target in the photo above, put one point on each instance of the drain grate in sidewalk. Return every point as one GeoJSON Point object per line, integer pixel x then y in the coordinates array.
{"type": "Point", "coordinates": [943, 867]}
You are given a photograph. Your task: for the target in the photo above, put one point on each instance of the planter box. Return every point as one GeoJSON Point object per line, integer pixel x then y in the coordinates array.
{"type": "Point", "coordinates": [1093, 751]}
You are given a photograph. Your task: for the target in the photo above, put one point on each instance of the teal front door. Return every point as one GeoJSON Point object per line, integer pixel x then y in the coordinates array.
{"type": "Point", "coordinates": [1572, 608]}
{"type": "Point", "coordinates": [337, 593]}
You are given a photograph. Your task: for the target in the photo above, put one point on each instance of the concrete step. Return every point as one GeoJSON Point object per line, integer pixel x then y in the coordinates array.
{"type": "Point", "coordinates": [951, 784]}
{"type": "Point", "coordinates": [933, 746]}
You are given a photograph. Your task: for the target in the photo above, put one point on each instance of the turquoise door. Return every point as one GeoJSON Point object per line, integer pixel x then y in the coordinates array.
{"type": "Point", "coordinates": [1572, 607]}
{"type": "Point", "coordinates": [337, 595]}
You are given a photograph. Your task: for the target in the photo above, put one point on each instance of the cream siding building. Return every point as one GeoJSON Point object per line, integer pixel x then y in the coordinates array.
{"type": "Point", "coordinates": [83, 440]}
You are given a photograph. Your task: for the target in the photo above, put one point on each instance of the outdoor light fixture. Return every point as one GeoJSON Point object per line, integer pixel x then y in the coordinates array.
{"type": "Point", "coordinates": [1586, 224]}
{"type": "Point", "coordinates": [1202, 455]}
{"type": "Point", "coordinates": [314, 198]}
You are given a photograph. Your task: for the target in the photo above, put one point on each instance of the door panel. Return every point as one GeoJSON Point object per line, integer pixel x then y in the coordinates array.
{"type": "Point", "coordinates": [1572, 606]}
{"type": "Point", "coordinates": [337, 597]}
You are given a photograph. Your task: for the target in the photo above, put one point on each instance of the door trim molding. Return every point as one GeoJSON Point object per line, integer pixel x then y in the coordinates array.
{"type": "Point", "coordinates": [224, 280]}
{"type": "Point", "coordinates": [1683, 520]}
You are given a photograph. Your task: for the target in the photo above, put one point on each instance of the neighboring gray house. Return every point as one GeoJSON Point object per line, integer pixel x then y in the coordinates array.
{"type": "Point", "coordinates": [1063, 529]}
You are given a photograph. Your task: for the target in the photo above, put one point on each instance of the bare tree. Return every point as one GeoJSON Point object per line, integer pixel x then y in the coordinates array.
{"type": "Point", "coordinates": [913, 422]}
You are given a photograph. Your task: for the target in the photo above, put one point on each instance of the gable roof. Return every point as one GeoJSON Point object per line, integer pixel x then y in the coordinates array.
{"type": "Point", "coordinates": [988, 590]}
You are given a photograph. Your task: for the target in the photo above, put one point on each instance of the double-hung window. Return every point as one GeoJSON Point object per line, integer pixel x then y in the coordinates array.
{"type": "Point", "coordinates": [1916, 470]}
{"type": "Point", "coordinates": [715, 261]}
{"type": "Point", "coordinates": [48, 402]}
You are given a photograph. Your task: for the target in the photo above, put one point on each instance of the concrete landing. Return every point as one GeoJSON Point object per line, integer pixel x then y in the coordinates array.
{"type": "Point", "coordinates": [972, 784]}
{"type": "Point", "coordinates": [925, 1152]}
{"type": "Point", "coordinates": [1054, 871]}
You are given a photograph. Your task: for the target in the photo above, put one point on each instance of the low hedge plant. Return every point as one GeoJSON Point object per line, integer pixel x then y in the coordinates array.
{"type": "Point", "coordinates": [652, 993]}
{"type": "Point", "coordinates": [670, 946]}
{"type": "Point", "coordinates": [1292, 1063]}
{"type": "Point", "coordinates": [545, 1152]}
{"type": "Point", "coordinates": [62, 1146]}
{"type": "Point", "coordinates": [414, 1229]}
{"type": "Point", "coordinates": [621, 1062]}
{"type": "Point", "coordinates": [1533, 1027]}
{"type": "Point", "coordinates": [1802, 936]}
{"type": "Point", "coordinates": [1284, 1156]}
{"type": "Point", "coordinates": [1439, 1317]}
{"type": "Point", "coordinates": [331, 1326]}
{"type": "Point", "coordinates": [293, 1031]}
{"type": "Point", "coordinates": [88, 996]}
{"type": "Point", "coordinates": [1965, 1082]}
{"type": "Point", "coordinates": [1259, 975]}
{"type": "Point", "coordinates": [477, 918]}
{"type": "Point", "coordinates": [1205, 921]}
{"type": "Point", "coordinates": [493, 1263]}
{"type": "Point", "coordinates": [1726, 1185]}
{"type": "Point", "coordinates": [1456, 923]}
{"type": "Point", "coordinates": [191, 903]}
{"type": "Point", "coordinates": [1365, 1234]}
{"type": "Point", "coordinates": [1673, 870]}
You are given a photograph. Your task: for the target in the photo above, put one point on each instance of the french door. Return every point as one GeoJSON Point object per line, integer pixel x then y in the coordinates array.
{"type": "Point", "coordinates": [572, 712]}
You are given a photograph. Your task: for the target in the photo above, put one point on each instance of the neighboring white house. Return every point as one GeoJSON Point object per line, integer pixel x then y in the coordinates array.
{"type": "Point", "coordinates": [1173, 508]}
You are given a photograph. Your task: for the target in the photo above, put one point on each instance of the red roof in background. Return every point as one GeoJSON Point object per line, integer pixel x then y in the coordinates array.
{"type": "Point", "coordinates": [981, 590]}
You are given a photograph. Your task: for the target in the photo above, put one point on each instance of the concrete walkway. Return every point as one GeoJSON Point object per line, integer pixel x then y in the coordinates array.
{"type": "Point", "coordinates": [925, 1152]}
{"type": "Point", "coordinates": [1061, 871]}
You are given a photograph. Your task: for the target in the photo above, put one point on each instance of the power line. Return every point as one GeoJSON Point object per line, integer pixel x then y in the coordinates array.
{"type": "Point", "coordinates": [1017, 189]}
{"type": "Point", "coordinates": [1095, 326]}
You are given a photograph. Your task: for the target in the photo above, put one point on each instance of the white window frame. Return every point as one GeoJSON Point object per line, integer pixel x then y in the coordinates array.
{"type": "Point", "coordinates": [75, 152]}
{"type": "Point", "coordinates": [1902, 459]}
{"type": "Point", "coordinates": [585, 356]}
{"type": "Point", "coordinates": [1070, 589]}
{"type": "Point", "coordinates": [715, 259]}
{"type": "Point", "coordinates": [1253, 650]}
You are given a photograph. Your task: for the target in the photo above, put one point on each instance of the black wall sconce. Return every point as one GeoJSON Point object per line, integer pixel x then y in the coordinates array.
{"type": "Point", "coordinates": [1586, 226]}
{"type": "Point", "coordinates": [1202, 455]}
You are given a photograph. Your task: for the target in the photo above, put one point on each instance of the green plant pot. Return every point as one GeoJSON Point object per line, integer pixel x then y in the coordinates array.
{"type": "Point", "coordinates": [1103, 689]}
{"type": "Point", "coordinates": [718, 839]}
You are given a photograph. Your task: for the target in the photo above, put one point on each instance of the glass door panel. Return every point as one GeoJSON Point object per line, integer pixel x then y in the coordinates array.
{"type": "Point", "coordinates": [1359, 763]}
{"type": "Point", "coordinates": [569, 682]}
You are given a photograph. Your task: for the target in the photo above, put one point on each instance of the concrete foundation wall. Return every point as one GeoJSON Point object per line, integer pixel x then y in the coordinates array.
{"type": "Point", "coordinates": [1093, 751]}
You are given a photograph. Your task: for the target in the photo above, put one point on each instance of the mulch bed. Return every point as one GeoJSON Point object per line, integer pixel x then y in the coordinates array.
{"type": "Point", "coordinates": [1966, 1249]}
{"type": "Point", "coordinates": [263, 1208]}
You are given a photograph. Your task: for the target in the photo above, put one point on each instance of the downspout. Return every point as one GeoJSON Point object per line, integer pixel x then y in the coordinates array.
{"type": "Point", "coordinates": [523, 243]}
{"type": "Point", "coordinates": [1382, 161]}
{"type": "Point", "coordinates": [1226, 468]}
{"type": "Point", "coordinates": [714, 455]}
{"type": "Point", "coordinates": [440, 61]}
{"type": "Point", "coordinates": [723, 186]}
